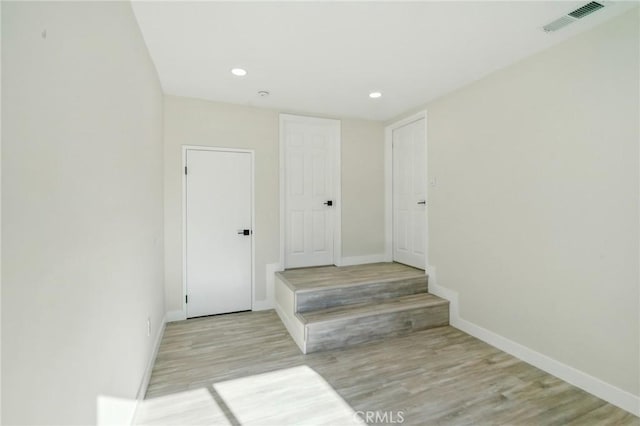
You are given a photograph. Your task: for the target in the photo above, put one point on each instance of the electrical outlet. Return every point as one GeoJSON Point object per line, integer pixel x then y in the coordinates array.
{"type": "Point", "coordinates": [148, 327]}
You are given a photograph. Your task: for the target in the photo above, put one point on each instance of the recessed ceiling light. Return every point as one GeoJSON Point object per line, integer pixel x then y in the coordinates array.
{"type": "Point", "coordinates": [375, 95]}
{"type": "Point", "coordinates": [239, 72]}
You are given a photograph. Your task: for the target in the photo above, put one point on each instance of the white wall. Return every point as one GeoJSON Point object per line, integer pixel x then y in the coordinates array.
{"type": "Point", "coordinates": [198, 122]}
{"type": "Point", "coordinates": [534, 220]}
{"type": "Point", "coordinates": [81, 209]}
{"type": "Point", "coordinates": [0, 214]}
{"type": "Point", "coordinates": [362, 188]}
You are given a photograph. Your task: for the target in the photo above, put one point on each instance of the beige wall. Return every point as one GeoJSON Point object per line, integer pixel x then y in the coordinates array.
{"type": "Point", "coordinates": [81, 209]}
{"type": "Point", "coordinates": [197, 122]}
{"type": "Point", "coordinates": [534, 220]}
{"type": "Point", "coordinates": [362, 188]}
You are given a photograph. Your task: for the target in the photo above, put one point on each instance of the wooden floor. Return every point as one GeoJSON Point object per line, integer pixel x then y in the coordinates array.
{"type": "Point", "coordinates": [440, 376]}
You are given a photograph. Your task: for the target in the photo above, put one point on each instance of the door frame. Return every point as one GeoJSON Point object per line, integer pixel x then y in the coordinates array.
{"type": "Point", "coordinates": [251, 152]}
{"type": "Point", "coordinates": [337, 185]}
{"type": "Point", "coordinates": [388, 183]}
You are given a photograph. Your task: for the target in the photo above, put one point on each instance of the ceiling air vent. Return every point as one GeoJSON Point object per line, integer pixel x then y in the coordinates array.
{"type": "Point", "coordinates": [571, 17]}
{"type": "Point", "coordinates": [585, 10]}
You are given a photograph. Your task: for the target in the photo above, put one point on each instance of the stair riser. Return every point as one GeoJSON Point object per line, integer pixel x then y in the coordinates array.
{"type": "Point", "coordinates": [340, 296]}
{"type": "Point", "coordinates": [352, 331]}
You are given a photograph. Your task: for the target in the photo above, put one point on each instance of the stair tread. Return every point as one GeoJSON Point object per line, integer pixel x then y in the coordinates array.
{"type": "Point", "coordinates": [330, 285]}
{"type": "Point", "coordinates": [371, 308]}
{"type": "Point", "coordinates": [319, 278]}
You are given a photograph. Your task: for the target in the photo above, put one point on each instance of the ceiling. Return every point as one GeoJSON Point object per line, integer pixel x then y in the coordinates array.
{"type": "Point", "coordinates": [326, 57]}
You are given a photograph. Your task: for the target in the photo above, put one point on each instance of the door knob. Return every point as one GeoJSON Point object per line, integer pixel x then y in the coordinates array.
{"type": "Point", "coordinates": [329, 203]}
{"type": "Point", "coordinates": [244, 231]}
{"type": "Point", "coordinates": [422, 202]}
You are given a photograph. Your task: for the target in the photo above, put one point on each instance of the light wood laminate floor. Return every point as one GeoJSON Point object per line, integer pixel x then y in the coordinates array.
{"type": "Point", "coordinates": [328, 276]}
{"type": "Point", "coordinates": [440, 376]}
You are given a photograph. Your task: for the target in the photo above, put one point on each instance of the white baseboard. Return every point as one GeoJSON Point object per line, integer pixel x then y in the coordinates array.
{"type": "Point", "coordinates": [173, 316]}
{"type": "Point", "coordinates": [291, 328]}
{"type": "Point", "coordinates": [612, 394]}
{"type": "Point", "coordinates": [285, 302]}
{"type": "Point", "coordinates": [142, 390]}
{"type": "Point", "coordinates": [362, 260]}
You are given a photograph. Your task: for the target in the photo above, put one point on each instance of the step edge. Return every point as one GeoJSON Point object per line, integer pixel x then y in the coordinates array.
{"type": "Point", "coordinates": [365, 300]}
{"type": "Point", "coordinates": [313, 346]}
{"type": "Point", "coordinates": [419, 304]}
{"type": "Point", "coordinates": [346, 285]}
{"type": "Point", "coordinates": [284, 280]}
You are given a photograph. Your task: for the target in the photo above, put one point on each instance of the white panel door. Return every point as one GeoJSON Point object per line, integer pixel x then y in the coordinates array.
{"type": "Point", "coordinates": [218, 253]}
{"type": "Point", "coordinates": [409, 194]}
{"type": "Point", "coordinates": [309, 150]}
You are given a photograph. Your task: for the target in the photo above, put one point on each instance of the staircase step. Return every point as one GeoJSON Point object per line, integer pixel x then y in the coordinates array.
{"type": "Point", "coordinates": [325, 287]}
{"type": "Point", "coordinates": [348, 294]}
{"type": "Point", "coordinates": [348, 325]}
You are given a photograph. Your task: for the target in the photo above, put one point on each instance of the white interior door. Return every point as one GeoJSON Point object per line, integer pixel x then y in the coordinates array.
{"type": "Point", "coordinates": [310, 201]}
{"type": "Point", "coordinates": [409, 194]}
{"type": "Point", "coordinates": [218, 249]}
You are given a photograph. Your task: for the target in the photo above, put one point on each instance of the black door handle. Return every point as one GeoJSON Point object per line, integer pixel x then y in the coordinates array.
{"type": "Point", "coordinates": [244, 231]}
{"type": "Point", "coordinates": [328, 203]}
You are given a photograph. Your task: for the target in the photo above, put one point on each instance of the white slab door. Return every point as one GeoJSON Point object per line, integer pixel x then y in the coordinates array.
{"type": "Point", "coordinates": [311, 185]}
{"type": "Point", "coordinates": [219, 237]}
{"type": "Point", "coordinates": [409, 194]}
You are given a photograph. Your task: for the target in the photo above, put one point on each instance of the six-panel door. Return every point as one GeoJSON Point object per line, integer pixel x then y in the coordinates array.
{"type": "Point", "coordinates": [409, 194]}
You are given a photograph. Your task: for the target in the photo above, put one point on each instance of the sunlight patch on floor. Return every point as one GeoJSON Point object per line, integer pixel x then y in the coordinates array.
{"type": "Point", "coordinates": [295, 395]}
{"type": "Point", "coordinates": [193, 407]}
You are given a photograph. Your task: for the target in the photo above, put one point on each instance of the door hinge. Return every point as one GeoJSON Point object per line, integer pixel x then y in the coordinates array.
{"type": "Point", "coordinates": [185, 170]}
{"type": "Point", "coordinates": [186, 298]}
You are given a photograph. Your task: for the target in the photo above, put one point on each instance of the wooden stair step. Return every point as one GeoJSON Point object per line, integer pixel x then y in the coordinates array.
{"type": "Point", "coordinates": [339, 294]}
{"type": "Point", "coordinates": [317, 276]}
{"type": "Point", "coordinates": [348, 325]}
